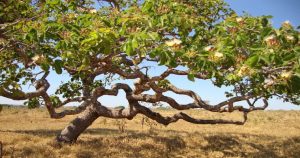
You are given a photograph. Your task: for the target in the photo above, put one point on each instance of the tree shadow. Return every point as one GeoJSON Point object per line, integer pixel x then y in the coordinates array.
{"type": "Point", "coordinates": [125, 143]}
{"type": "Point", "coordinates": [37, 132]}
{"type": "Point", "coordinates": [232, 146]}
{"type": "Point", "coordinates": [52, 132]}
{"type": "Point", "coordinates": [221, 143]}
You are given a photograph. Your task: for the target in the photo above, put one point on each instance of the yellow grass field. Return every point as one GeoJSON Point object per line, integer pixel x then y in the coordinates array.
{"type": "Point", "coordinates": [30, 133]}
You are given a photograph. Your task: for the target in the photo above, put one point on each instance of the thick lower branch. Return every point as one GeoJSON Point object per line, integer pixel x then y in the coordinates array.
{"type": "Point", "coordinates": [77, 126]}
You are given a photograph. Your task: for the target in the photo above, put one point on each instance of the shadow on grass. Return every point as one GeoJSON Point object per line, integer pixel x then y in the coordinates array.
{"type": "Point", "coordinates": [233, 145]}
{"type": "Point", "coordinates": [51, 133]}
{"type": "Point", "coordinates": [174, 143]}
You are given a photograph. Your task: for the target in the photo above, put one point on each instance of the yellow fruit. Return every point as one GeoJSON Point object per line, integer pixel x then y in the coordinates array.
{"type": "Point", "coordinates": [38, 59]}
{"type": "Point", "coordinates": [286, 75]}
{"type": "Point", "coordinates": [135, 61]}
{"type": "Point", "coordinates": [286, 24]}
{"type": "Point", "coordinates": [290, 38]}
{"type": "Point", "coordinates": [218, 55]}
{"type": "Point", "coordinates": [244, 70]}
{"type": "Point", "coordinates": [191, 54]}
{"type": "Point", "coordinates": [239, 20]}
{"type": "Point", "coordinates": [138, 81]}
{"type": "Point", "coordinates": [209, 48]}
{"type": "Point", "coordinates": [173, 42]}
{"type": "Point", "coordinates": [268, 83]}
{"type": "Point", "coordinates": [93, 11]}
{"type": "Point", "coordinates": [271, 40]}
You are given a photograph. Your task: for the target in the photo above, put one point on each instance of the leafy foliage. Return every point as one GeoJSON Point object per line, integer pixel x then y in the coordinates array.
{"type": "Point", "coordinates": [33, 103]}
{"type": "Point", "coordinates": [203, 36]}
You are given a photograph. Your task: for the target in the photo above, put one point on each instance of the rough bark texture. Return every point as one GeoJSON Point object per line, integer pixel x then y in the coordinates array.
{"type": "Point", "coordinates": [77, 126]}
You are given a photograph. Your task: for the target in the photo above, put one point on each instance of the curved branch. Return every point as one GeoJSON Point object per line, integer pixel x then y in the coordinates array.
{"type": "Point", "coordinates": [135, 108]}
{"type": "Point", "coordinates": [169, 100]}
{"type": "Point", "coordinates": [177, 72]}
{"type": "Point", "coordinates": [55, 115]}
{"type": "Point", "coordinates": [128, 113]}
{"type": "Point", "coordinates": [41, 85]}
{"type": "Point", "coordinates": [70, 100]}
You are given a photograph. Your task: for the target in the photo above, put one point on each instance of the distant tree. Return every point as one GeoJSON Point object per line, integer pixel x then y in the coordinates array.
{"type": "Point", "coordinates": [200, 39]}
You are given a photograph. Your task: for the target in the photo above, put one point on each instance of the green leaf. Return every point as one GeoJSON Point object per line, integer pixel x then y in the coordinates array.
{"type": "Point", "coordinates": [289, 57]}
{"type": "Point", "coordinates": [153, 35]}
{"type": "Point", "coordinates": [153, 54]}
{"type": "Point", "coordinates": [53, 2]}
{"type": "Point", "coordinates": [129, 49]}
{"type": "Point", "coordinates": [147, 6]}
{"type": "Point", "coordinates": [265, 59]}
{"type": "Point", "coordinates": [55, 101]}
{"type": "Point", "coordinates": [106, 22]}
{"type": "Point", "coordinates": [32, 35]}
{"type": "Point", "coordinates": [135, 43]}
{"type": "Point", "coordinates": [45, 67]}
{"type": "Point", "coordinates": [107, 49]}
{"type": "Point", "coordinates": [163, 58]}
{"type": "Point", "coordinates": [61, 45]}
{"type": "Point", "coordinates": [58, 66]}
{"type": "Point", "coordinates": [172, 63]}
{"type": "Point", "coordinates": [257, 48]}
{"type": "Point", "coordinates": [264, 22]}
{"type": "Point", "coordinates": [231, 77]}
{"type": "Point", "coordinates": [267, 31]}
{"type": "Point", "coordinates": [191, 77]}
{"type": "Point", "coordinates": [32, 103]}
{"type": "Point", "coordinates": [252, 61]}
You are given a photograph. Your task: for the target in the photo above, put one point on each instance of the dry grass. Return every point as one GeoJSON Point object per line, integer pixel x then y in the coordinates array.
{"type": "Point", "coordinates": [30, 133]}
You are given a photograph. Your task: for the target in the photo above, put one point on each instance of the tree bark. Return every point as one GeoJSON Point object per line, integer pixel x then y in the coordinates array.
{"type": "Point", "coordinates": [77, 126]}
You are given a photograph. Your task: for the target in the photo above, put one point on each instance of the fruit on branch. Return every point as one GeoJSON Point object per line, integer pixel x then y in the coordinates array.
{"type": "Point", "coordinates": [38, 59]}
{"type": "Point", "coordinates": [173, 42]}
{"type": "Point", "coordinates": [287, 25]}
{"type": "Point", "coordinates": [218, 55]}
{"type": "Point", "coordinates": [272, 41]}
{"type": "Point", "coordinates": [240, 20]}
{"type": "Point", "coordinates": [93, 11]}
{"type": "Point", "coordinates": [286, 75]}
{"type": "Point", "coordinates": [268, 83]}
{"type": "Point", "coordinates": [245, 70]}
{"type": "Point", "coordinates": [290, 38]}
{"type": "Point", "coordinates": [209, 48]}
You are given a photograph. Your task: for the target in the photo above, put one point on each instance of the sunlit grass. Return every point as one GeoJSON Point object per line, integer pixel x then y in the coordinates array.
{"type": "Point", "coordinates": [31, 133]}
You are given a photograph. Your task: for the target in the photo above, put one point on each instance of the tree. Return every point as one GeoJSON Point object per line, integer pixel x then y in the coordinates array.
{"type": "Point", "coordinates": [121, 39]}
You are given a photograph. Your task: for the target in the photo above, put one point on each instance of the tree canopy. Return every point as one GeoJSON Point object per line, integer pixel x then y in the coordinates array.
{"type": "Point", "coordinates": [199, 39]}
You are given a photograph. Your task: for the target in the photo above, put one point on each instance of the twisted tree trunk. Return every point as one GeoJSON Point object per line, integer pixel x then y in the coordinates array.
{"type": "Point", "coordinates": [77, 126]}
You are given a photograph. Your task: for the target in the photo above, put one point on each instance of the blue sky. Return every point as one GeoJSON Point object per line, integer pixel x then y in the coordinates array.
{"type": "Point", "coordinates": [281, 10]}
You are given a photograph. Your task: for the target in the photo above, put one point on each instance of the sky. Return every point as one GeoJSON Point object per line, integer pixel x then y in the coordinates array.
{"type": "Point", "coordinates": [281, 10]}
